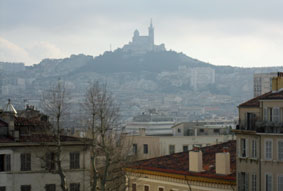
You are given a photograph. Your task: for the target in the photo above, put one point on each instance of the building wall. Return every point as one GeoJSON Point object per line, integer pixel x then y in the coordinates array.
{"type": "Point", "coordinates": [172, 184]}
{"type": "Point", "coordinates": [38, 177]}
{"type": "Point", "coordinates": [159, 145]}
{"type": "Point", "coordinates": [260, 166]}
{"type": "Point", "coordinates": [263, 83]}
{"type": "Point", "coordinates": [153, 143]}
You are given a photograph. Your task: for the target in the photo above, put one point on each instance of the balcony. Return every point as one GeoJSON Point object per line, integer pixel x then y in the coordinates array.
{"type": "Point", "coordinates": [262, 127]}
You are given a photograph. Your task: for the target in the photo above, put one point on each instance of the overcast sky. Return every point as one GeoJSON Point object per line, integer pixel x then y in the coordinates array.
{"type": "Point", "coordinates": [244, 33]}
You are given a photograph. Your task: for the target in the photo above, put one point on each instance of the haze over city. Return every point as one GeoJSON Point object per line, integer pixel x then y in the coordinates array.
{"type": "Point", "coordinates": [238, 33]}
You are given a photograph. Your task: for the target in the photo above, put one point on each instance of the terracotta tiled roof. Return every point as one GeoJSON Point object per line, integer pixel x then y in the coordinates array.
{"type": "Point", "coordinates": [178, 163]}
{"type": "Point", "coordinates": [267, 96]}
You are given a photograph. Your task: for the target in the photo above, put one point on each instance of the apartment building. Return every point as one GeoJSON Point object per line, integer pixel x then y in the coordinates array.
{"type": "Point", "coordinates": [263, 82]}
{"type": "Point", "coordinates": [185, 136]}
{"type": "Point", "coordinates": [28, 159]}
{"type": "Point", "coordinates": [210, 168]}
{"type": "Point", "coordinates": [260, 141]}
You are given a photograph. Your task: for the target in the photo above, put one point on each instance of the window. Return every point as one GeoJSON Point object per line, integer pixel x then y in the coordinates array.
{"type": "Point", "coordinates": [74, 160]}
{"type": "Point", "coordinates": [201, 130]}
{"type": "Point", "coordinates": [243, 181]}
{"type": "Point", "coordinates": [5, 162]}
{"type": "Point", "coordinates": [280, 182]}
{"type": "Point", "coordinates": [25, 161]}
{"type": "Point", "coordinates": [50, 187]}
{"type": "Point", "coordinates": [134, 187]}
{"type": "Point", "coordinates": [50, 161]}
{"type": "Point", "coordinates": [275, 114]}
{"type": "Point", "coordinates": [171, 149]}
{"type": "Point", "coordinates": [270, 114]}
{"type": "Point", "coordinates": [268, 182]}
{"type": "Point", "coordinates": [243, 148]}
{"type": "Point", "coordinates": [253, 182]}
{"type": "Point", "coordinates": [265, 114]}
{"type": "Point", "coordinates": [185, 148]}
{"type": "Point", "coordinates": [280, 150]}
{"type": "Point", "coordinates": [2, 188]}
{"type": "Point", "coordinates": [75, 187]}
{"type": "Point", "coordinates": [135, 149]}
{"type": "Point", "coordinates": [26, 188]}
{"type": "Point", "coordinates": [146, 188]}
{"type": "Point", "coordinates": [216, 130]}
{"type": "Point", "coordinates": [160, 189]}
{"type": "Point", "coordinates": [254, 149]}
{"type": "Point", "coordinates": [268, 149]}
{"type": "Point", "coordinates": [145, 148]}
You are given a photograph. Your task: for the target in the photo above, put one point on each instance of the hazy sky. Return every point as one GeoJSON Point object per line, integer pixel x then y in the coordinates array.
{"type": "Point", "coordinates": [244, 33]}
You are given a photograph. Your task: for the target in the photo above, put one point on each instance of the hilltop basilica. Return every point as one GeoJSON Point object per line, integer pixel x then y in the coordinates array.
{"type": "Point", "coordinates": [143, 44]}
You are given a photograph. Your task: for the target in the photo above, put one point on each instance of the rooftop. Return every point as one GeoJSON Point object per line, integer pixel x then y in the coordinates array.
{"type": "Point", "coordinates": [272, 95]}
{"type": "Point", "coordinates": [178, 163]}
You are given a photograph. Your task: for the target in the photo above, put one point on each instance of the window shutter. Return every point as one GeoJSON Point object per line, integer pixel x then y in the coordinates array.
{"type": "Point", "coordinates": [246, 181]}
{"type": "Point", "coordinates": [239, 181]}
{"type": "Point", "coordinates": [247, 147]}
{"type": "Point", "coordinates": [265, 114]}
{"type": "Point", "coordinates": [29, 161]}
{"type": "Point", "coordinates": [7, 162]}
{"type": "Point", "coordinates": [280, 150]}
{"type": "Point", "coordinates": [71, 160]}
{"type": "Point", "coordinates": [275, 114]}
{"type": "Point", "coordinates": [280, 182]}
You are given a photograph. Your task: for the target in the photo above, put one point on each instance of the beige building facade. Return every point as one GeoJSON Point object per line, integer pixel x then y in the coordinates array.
{"type": "Point", "coordinates": [260, 142]}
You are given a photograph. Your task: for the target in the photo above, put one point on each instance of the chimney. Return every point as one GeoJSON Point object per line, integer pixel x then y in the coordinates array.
{"type": "Point", "coordinates": [195, 161]}
{"type": "Point", "coordinates": [277, 82]}
{"type": "Point", "coordinates": [222, 161]}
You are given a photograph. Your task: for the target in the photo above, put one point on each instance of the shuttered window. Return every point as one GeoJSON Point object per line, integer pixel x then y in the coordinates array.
{"type": "Point", "coordinates": [253, 182]}
{"type": "Point", "coordinates": [26, 188]}
{"type": "Point", "coordinates": [146, 188]}
{"type": "Point", "coordinates": [50, 187]}
{"type": "Point", "coordinates": [280, 182]}
{"type": "Point", "coordinates": [5, 162]}
{"type": "Point", "coordinates": [134, 187]}
{"type": "Point", "coordinates": [243, 181]}
{"type": "Point", "coordinates": [268, 149]}
{"type": "Point", "coordinates": [254, 149]}
{"type": "Point", "coordinates": [268, 182]}
{"type": "Point", "coordinates": [280, 150]}
{"type": "Point", "coordinates": [275, 114]}
{"type": "Point", "coordinates": [75, 187]}
{"type": "Point", "coordinates": [265, 114]}
{"type": "Point", "coordinates": [74, 160]}
{"type": "Point", "coordinates": [25, 161]}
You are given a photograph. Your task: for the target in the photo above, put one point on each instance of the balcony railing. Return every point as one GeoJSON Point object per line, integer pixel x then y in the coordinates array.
{"type": "Point", "coordinates": [262, 127]}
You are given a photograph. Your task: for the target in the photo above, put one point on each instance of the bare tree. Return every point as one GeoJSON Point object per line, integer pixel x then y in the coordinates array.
{"type": "Point", "coordinates": [109, 149]}
{"type": "Point", "coordinates": [55, 104]}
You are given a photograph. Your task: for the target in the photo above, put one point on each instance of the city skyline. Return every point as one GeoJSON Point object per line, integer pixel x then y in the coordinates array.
{"type": "Point", "coordinates": [245, 34]}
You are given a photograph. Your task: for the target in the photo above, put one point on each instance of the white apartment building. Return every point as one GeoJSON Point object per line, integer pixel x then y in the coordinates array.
{"type": "Point", "coordinates": [28, 159]}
